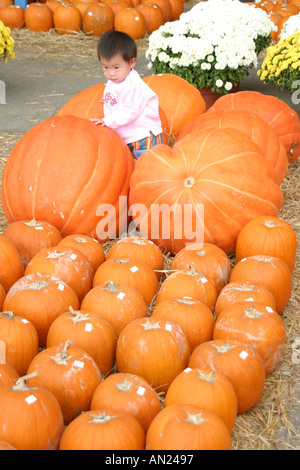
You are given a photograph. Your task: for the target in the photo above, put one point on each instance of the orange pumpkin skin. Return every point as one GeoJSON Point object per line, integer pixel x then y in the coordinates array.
{"type": "Point", "coordinates": [12, 16]}
{"type": "Point", "coordinates": [257, 325]}
{"type": "Point", "coordinates": [107, 159]}
{"type": "Point", "coordinates": [70, 374]}
{"type": "Point", "coordinates": [176, 9]}
{"type": "Point", "coordinates": [11, 267]}
{"type": "Point", "coordinates": [189, 284]}
{"type": "Point", "coordinates": [268, 271]}
{"type": "Point", "coordinates": [194, 317]}
{"type": "Point", "coordinates": [66, 19]}
{"type": "Point", "coordinates": [206, 258]}
{"type": "Point", "coordinates": [196, 174]}
{"type": "Point", "coordinates": [2, 296]}
{"type": "Point", "coordinates": [119, 304]}
{"type": "Point", "coordinates": [40, 298]}
{"type": "Point", "coordinates": [138, 247]}
{"type": "Point", "coordinates": [239, 362]}
{"type": "Point", "coordinates": [165, 7]}
{"type": "Point", "coordinates": [38, 414]}
{"type": "Point", "coordinates": [273, 110]}
{"type": "Point", "coordinates": [268, 236]}
{"type": "Point", "coordinates": [68, 264]}
{"type": "Point", "coordinates": [207, 389]}
{"type": "Point", "coordinates": [153, 16]}
{"type": "Point", "coordinates": [38, 17]}
{"type": "Point", "coordinates": [19, 341]}
{"type": "Point", "coordinates": [6, 446]}
{"type": "Point", "coordinates": [130, 21]}
{"type": "Point", "coordinates": [103, 430]}
{"type": "Point", "coordinates": [139, 351]}
{"type": "Point", "coordinates": [88, 331]}
{"type": "Point", "coordinates": [254, 126]}
{"type": "Point", "coordinates": [187, 427]}
{"type": "Point", "coordinates": [88, 246]}
{"type": "Point", "coordinates": [130, 394]}
{"type": "Point", "coordinates": [239, 291]}
{"type": "Point", "coordinates": [97, 19]}
{"type": "Point", "coordinates": [134, 272]}
{"type": "Point", "coordinates": [31, 236]}
{"type": "Point", "coordinates": [8, 375]}
{"type": "Point", "coordinates": [180, 101]}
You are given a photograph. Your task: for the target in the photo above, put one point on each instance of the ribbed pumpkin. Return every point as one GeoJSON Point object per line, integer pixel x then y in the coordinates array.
{"type": "Point", "coordinates": [207, 389]}
{"type": "Point", "coordinates": [97, 19]}
{"type": "Point", "coordinates": [38, 17]}
{"type": "Point", "coordinates": [130, 21]}
{"type": "Point", "coordinates": [268, 236]}
{"type": "Point", "coordinates": [165, 7]}
{"type": "Point", "coordinates": [239, 291]}
{"type": "Point", "coordinates": [18, 340]}
{"type": "Point", "coordinates": [12, 16]}
{"type": "Point", "coordinates": [130, 394]}
{"type": "Point", "coordinates": [132, 271]}
{"type": "Point", "coordinates": [67, 19]}
{"type": "Point", "coordinates": [139, 351]}
{"type": "Point", "coordinates": [254, 126]}
{"type": "Point", "coordinates": [194, 317]}
{"type": "Point", "coordinates": [141, 248]}
{"type": "Point", "coordinates": [88, 331]}
{"type": "Point", "coordinates": [63, 188]}
{"type": "Point", "coordinates": [11, 267]}
{"type": "Point", "coordinates": [187, 427]}
{"type": "Point", "coordinates": [268, 271]}
{"type": "Point", "coordinates": [31, 236]}
{"type": "Point", "coordinates": [68, 264]}
{"type": "Point", "coordinates": [191, 284]}
{"type": "Point", "coordinates": [31, 418]}
{"type": "Point", "coordinates": [239, 362]}
{"type": "Point", "coordinates": [153, 16]}
{"type": "Point", "coordinates": [2, 296]}
{"type": "Point", "coordinates": [118, 303]}
{"type": "Point", "coordinates": [70, 374]}
{"type": "Point", "coordinates": [40, 298]}
{"type": "Point", "coordinates": [257, 325]}
{"type": "Point", "coordinates": [206, 258]}
{"type": "Point", "coordinates": [8, 374]}
{"type": "Point", "coordinates": [215, 171]}
{"type": "Point", "coordinates": [180, 101]}
{"type": "Point", "coordinates": [273, 110]}
{"type": "Point", "coordinates": [88, 246]}
{"type": "Point", "coordinates": [103, 430]}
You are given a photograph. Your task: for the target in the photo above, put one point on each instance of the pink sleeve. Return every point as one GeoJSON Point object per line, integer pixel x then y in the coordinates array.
{"type": "Point", "coordinates": [129, 107]}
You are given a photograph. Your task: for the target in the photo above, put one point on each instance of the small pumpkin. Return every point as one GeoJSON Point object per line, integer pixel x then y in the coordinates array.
{"type": "Point", "coordinates": [88, 246]}
{"type": "Point", "coordinates": [70, 374]}
{"type": "Point", "coordinates": [187, 427]}
{"type": "Point", "coordinates": [131, 21]}
{"type": "Point", "coordinates": [153, 16]}
{"type": "Point", "coordinates": [97, 19]}
{"type": "Point", "coordinates": [11, 267]}
{"type": "Point", "coordinates": [130, 394]}
{"type": "Point", "coordinates": [66, 19]}
{"type": "Point", "coordinates": [103, 430]}
{"type": "Point", "coordinates": [8, 374]}
{"type": "Point", "coordinates": [38, 17]}
{"type": "Point", "coordinates": [12, 16]}
{"type": "Point", "coordinates": [139, 351]}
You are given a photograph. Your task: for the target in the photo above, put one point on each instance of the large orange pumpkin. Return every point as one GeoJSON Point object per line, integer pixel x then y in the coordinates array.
{"type": "Point", "coordinates": [153, 16]}
{"type": "Point", "coordinates": [67, 19]}
{"type": "Point", "coordinates": [254, 126]}
{"type": "Point", "coordinates": [273, 110]}
{"type": "Point", "coordinates": [47, 178]}
{"type": "Point", "coordinates": [38, 17]}
{"type": "Point", "coordinates": [208, 187]}
{"type": "Point", "coordinates": [97, 19]}
{"type": "Point", "coordinates": [180, 101]}
{"type": "Point", "coordinates": [131, 21]}
{"type": "Point", "coordinates": [12, 16]}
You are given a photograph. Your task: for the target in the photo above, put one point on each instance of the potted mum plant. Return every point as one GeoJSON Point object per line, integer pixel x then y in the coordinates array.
{"type": "Point", "coordinates": [281, 66]}
{"type": "Point", "coordinates": [213, 46]}
{"type": "Point", "coordinates": [6, 43]}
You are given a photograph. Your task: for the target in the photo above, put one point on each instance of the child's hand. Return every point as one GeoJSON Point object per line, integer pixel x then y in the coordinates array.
{"type": "Point", "coordinates": [98, 121]}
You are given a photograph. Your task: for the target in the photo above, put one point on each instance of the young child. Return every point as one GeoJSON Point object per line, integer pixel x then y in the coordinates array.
{"type": "Point", "coordinates": [131, 108]}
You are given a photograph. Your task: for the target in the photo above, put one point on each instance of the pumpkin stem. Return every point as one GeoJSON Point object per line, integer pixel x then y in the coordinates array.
{"type": "Point", "coordinates": [55, 254]}
{"type": "Point", "coordinates": [20, 385]}
{"type": "Point", "coordinates": [80, 239]}
{"type": "Point", "coordinates": [62, 357]}
{"type": "Point", "coordinates": [244, 288]}
{"type": "Point", "coordinates": [270, 223]}
{"type": "Point", "coordinates": [195, 418]}
{"type": "Point", "coordinates": [253, 313]}
{"type": "Point", "coordinates": [33, 223]}
{"type": "Point", "coordinates": [38, 285]}
{"type": "Point", "coordinates": [151, 326]}
{"type": "Point", "coordinates": [122, 260]}
{"type": "Point", "coordinates": [223, 348]}
{"type": "Point", "coordinates": [8, 313]}
{"type": "Point", "coordinates": [189, 182]}
{"type": "Point", "coordinates": [185, 301]}
{"type": "Point", "coordinates": [125, 386]}
{"type": "Point", "coordinates": [78, 316]}
{"type": "Point", "coordinates": [102, 418]}
{"type": "Point", "coordinates": [206, 376]}
{"type": "Point", "coordinates": [111, 286]}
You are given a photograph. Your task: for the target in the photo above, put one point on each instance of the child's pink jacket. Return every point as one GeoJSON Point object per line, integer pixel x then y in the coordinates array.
{"type": "Point", "coordinates": [131, 108]}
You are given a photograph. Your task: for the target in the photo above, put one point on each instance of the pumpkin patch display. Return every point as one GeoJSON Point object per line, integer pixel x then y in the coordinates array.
{"type": "Point", "coordinates": [273, 110]}
{"type": "Point", "coordinates": [208, 186]}
{"type": "Point", "coordinates": [63, 188]}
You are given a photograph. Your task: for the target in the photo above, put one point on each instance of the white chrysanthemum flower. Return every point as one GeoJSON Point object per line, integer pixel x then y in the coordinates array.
{"type": "Point", "coordinates": [219, 83]}
{"type": "Point", "coordinates": [228, 86]}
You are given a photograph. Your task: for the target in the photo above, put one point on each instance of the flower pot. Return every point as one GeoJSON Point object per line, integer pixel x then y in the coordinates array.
{"type": "Point", "coordinates": [210, 97]}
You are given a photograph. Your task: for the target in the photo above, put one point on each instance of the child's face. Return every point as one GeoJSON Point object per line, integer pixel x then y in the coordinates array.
{"type": "Point", "coordinates": [116, 69]}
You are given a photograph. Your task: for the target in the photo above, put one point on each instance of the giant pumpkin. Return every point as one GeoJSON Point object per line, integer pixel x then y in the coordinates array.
{"type": "Point", "coordinates": [218, 170]}
{"type": "Point", "coordinates": [274, 111]}
{"type": "Point", "coordinates": [68, 172]}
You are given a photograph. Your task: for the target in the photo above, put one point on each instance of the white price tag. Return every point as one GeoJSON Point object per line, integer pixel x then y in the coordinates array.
{"type": "Point", "coordinates": [30, 399]}
{"type": "Point", "coordinates": [88, 327]}
{"type": "Point", "coordinates": [121, 295]}
{"type": "Point", "coordinates": [243, 355]}
{"type": "Point", "coordinates": [134, 269]}
{"type": "Point", "coordinates": [79, 364]}
{"type": "Point", "coordinates": [140, 391]}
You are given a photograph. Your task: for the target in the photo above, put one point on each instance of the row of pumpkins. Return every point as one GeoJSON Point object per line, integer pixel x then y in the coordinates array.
{"type": "Point", "coordinates": [184, 343]}
{"type": "Point", "coordinates": [184, 372]}
{"type": "Point", "coordinates": [134, 17]}
{"type": "Point", "coordinates": [279, 12]}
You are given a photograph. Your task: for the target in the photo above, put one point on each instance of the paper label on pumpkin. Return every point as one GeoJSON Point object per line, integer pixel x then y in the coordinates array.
{"type": "Point", "coordinates": [168, 327]}
{"type": "Point", "coordinates": [269, 309]}
{"type": "Point", "coordinates": [79, 364]}
{"type": "Point", "coordinates": [243, 355]}
{"type": "Point", "coordinates": [73, 256]}
{"type": "Point", "coordinates": [88, 327]}
{"type": "Point", "coordinates": [249, 300]}
{"type": "Point", "coordinates": [39, 228]}
{"type": "Point", "coordinates": [24, 320]}
{"type": "Point", "coordinates": [60, 287]}
{"type": "Point", "coordinates": [134, 269]}
{"type": "Point", "coordinates": [2, 352]}
{"type": "Point", "coordinates": [203, 280]}
{"type": "Point", "coordinates": [30, 399]}
{"type": "Point", "coordinates": [140, 391]}
{"type": "Point", "coordinates": [121, 295]}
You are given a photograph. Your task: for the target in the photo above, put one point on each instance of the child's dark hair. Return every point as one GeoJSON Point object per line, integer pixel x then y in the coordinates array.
{"type": "Point", "coordinates": [113, 42]}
